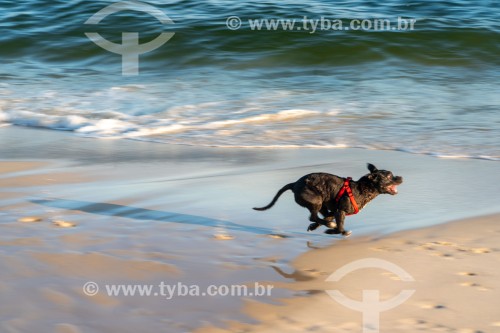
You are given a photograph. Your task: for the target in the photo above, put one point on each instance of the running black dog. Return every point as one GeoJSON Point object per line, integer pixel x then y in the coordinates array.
{"type": "Point", "coordinates": [335, 197]}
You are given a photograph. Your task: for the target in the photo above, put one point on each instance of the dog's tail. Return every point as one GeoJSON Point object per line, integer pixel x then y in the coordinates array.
{"type": "Point", "coordinates": [280, 192]}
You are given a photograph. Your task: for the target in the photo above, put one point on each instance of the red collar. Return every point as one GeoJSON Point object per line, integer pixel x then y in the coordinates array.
{"type": "Point", "coordinates": [347, 188]}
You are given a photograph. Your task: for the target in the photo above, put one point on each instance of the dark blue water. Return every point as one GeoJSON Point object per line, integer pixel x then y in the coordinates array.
{"type": "Point", "coordinates": [430, 90]}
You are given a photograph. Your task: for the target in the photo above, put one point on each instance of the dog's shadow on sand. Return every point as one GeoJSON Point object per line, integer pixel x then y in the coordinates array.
{"type": "Point", "coordinates": [143, 214]}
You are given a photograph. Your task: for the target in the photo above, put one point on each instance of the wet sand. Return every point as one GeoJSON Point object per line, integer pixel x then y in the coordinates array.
{"type": "Point", "coordinates": [126, 212]}
{"type": "Point", "coordinates": [454, 278]}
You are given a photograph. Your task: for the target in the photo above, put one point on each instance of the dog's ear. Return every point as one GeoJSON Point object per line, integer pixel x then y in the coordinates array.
{"type": "Point", "coordinates": [372, 168]}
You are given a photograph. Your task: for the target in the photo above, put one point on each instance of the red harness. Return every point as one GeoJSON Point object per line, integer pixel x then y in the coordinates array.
{"type": "Point", "coordinates": [347, 188]}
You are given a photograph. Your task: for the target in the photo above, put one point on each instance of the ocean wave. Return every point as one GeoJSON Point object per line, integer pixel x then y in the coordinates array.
{"type": "Point", "coordinates": [221, 134]}
{"type": "Point", "coordinates": [144, 126]}
{"type": "Point", "coordinates": [451, 34]}
{"type": "Point", "coordinates": [428, 91]}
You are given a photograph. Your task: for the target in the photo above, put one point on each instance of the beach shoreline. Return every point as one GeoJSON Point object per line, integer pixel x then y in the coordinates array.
{"type": "Point", "coordinates": [137, 137]}
{"type": "Point", "coordinates": [145, 213]}
{"type": "Point", "coordinates": [441, 189]}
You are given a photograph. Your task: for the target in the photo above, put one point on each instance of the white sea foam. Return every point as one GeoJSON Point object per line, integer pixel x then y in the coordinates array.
{"type": "Point", "coordinates": [130, 112]}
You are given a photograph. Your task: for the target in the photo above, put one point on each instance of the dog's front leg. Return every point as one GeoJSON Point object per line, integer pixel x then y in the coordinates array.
{"type": "Point", "coordinates": [317, 221]}
{"type": "Point", "coordinates": [339, 218]}
{"type": "Point", "coordinates": [339, 229]}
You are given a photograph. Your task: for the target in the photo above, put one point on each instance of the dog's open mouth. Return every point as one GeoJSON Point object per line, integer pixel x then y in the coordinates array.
{"type": "Point", "coordinates": [392, 189]}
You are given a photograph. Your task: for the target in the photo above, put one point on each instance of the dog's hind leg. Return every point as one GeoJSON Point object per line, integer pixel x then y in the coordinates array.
{"type": "Point", "coordinates": [313, 226]}
{"type": "Point", "coordinates": [326, 213]}
{"type": "Point", "coordinates": [317, 221]}
{"type": "Point", "coordinates": [328, 216]}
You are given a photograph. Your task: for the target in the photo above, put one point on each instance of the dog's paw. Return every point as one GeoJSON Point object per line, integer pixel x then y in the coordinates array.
{"type": "Point", "coordinates": [333, 231]}
{"type": "Point", "coordinates": [313, 226]}
{"type": "Point", "coordinates": [346, 233]}
{"type": "Point", "coordinates": [336, 231]}
{"type": "Point", "coordinates": [331, 225]}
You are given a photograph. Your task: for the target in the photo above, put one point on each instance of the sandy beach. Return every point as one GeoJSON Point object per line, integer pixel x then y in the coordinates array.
{"type": "Point", "coordinates": [135, 213]}
{"type": "Point", "coordinates": [136, 137]}
{"type": "Point", "coordinates": [456, 286]}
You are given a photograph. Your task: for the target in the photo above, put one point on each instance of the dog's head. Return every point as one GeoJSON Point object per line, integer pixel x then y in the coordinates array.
{"type": "Point", "coordinates": [384, 181]}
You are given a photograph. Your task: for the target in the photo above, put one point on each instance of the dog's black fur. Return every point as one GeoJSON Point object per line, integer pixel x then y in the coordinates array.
{"type": "Point", "coordinates": [317, 192]}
